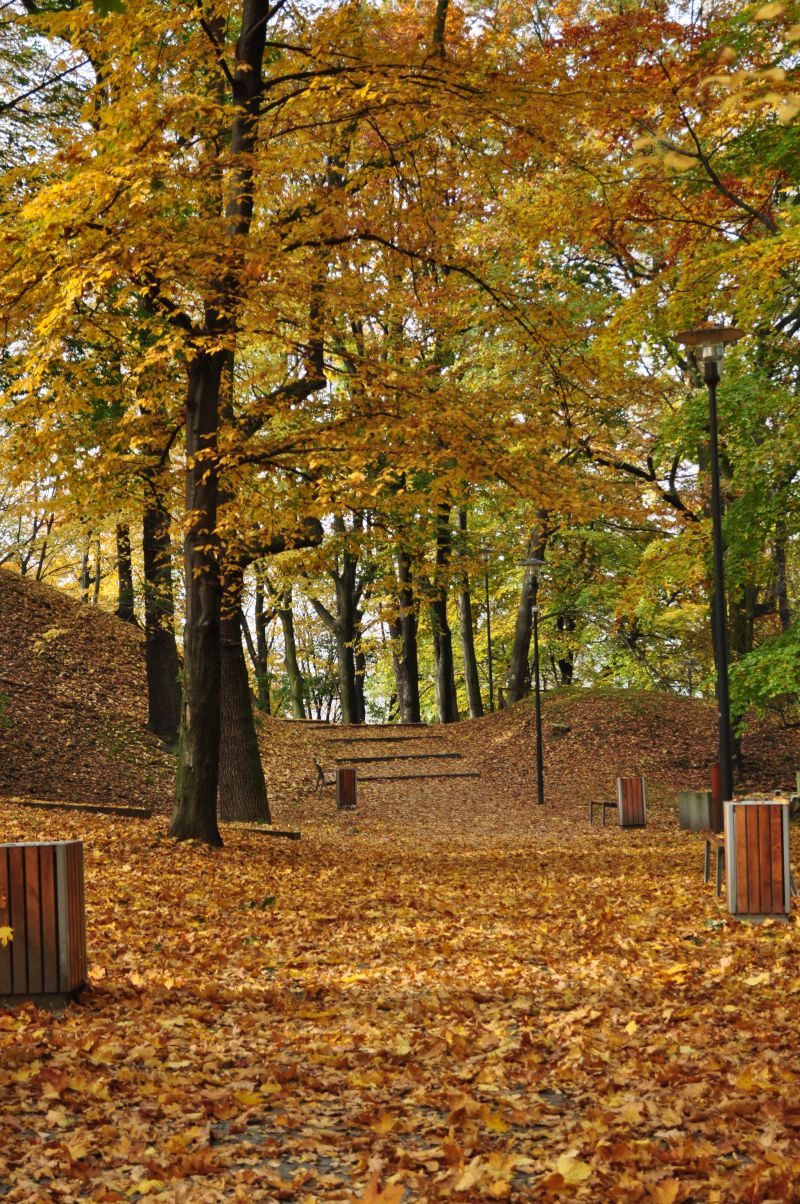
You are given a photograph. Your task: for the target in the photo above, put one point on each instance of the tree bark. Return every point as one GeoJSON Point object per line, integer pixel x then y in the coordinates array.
{"type": "Point", "coordinates": [519, 673]}
{"type": "Point", "coordinates": [295, 677]}
{"type": "Point", "coordinates": [408, 676]}
{"type": "Point", "coordinates": [471, 675]}
{"type": "Point", "coordinates": [195, 812]}
{"type": "Point", "coordinates": [261, 667]}
{"type": "Point", "coordinates": [125, 609]}
{"type": "Point", "coordinates": [242, 789]}
{"type": "Point", "coordinates": [161, 653]}
{"type": "Point", "coordinates": [446, 703]}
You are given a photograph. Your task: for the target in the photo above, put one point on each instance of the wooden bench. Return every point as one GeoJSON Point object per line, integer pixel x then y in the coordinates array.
{"type": "Point", "coordinates": [631, 804]}
{"type": "Point", "coordinates": [42, 885]}
{"type": "Point", "coordinates": [325, 777]}
{"type": "Point", "coordinates": [715, 841]}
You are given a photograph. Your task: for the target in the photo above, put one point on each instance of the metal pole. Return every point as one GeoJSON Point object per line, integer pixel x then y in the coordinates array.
{"type": "Point", "coordinates": [537, 696]}
{"type": "Point", "coordinates": [489, 639]}
{"type": "Point", "coordinates": [711, 374]}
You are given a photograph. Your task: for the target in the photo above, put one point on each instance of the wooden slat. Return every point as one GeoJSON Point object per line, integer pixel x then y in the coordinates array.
{"type": "Point", "coordinates": [6, 979]}
{"type": "Point", "coordinates": [765, 857]}
{"type": "Point", "coordinates": [717, 800]}
{"type": "Point", "coordinates": [16, 894]}
{"type": "Point", "coordinates": [47, 879]}
{"type": "Point", "coordinates": [33, 920]}
{"type": "Point", "coordinates": [753, 861]}
{"type": "Point", "coordinates": [73, 891]}
{"type": "Point", "coordinates": [742, 896]}
{"type": "Point", "coordinates": [62, 908]}
{"type": "Point", "coordinates": [83, 963]}
{"type": "Point", "coordinates": [777, 860]}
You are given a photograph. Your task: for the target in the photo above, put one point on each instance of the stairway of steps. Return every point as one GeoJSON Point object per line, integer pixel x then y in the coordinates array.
{"type": "Point", "coordinates": [386, 736]}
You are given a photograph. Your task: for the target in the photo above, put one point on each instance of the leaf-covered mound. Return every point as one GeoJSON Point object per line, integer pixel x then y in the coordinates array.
{"type": "Point", "coordinates": [73, 702]}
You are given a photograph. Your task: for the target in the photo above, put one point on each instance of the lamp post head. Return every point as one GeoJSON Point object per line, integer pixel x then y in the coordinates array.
{"type": "Point", "coordinates": [708, 344]}
{"type": "Point", "coordinates": [535, 564]}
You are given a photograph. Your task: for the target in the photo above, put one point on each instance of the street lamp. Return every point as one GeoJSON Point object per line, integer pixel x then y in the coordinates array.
{"type": "Point", "coordinates": [536, 564]}
{"type": "Point", "coordinates": [486, 553]}
{"type": "Point", "coordinates": [708, 344]}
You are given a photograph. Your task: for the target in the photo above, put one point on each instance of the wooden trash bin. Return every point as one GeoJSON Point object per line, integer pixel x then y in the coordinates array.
{"type": "Point", "coordinates": [694, 810]}
{"type": "Point", "coordinates": [346, 788]}
{"type": "Point", "coordinates": [632, 802]}
{"type": "Point", "coordinates": [42, 884]}
{"type": "Point", "coordinates": [757, 858]}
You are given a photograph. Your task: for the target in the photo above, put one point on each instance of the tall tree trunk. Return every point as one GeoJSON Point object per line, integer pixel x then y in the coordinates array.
{"type": "Point", "coordinates": [85, 580]}
{"type": "Point", "coordinates": [446, 704]}
{"type": "Point", "coordinates": [161, 653]}
{"type": "Point", "coordinates": [471, 675]}
{"type": "Point", "coordinates": [295, 677]}
{"type": "Point", "coordinates": [195, 812]}
{"type": "Point", "coordinates": [261, 667]}
{"type": "Point", "coordinates": [408, 687]}
{"type": "Point", "coordinates": [125, 609]}
{"type": "Point", "coordinates": [242, 789]}
{"type": "Point", "coordinates": [519, 673]}
{"type": "Point", "coordinates": [361, 673]}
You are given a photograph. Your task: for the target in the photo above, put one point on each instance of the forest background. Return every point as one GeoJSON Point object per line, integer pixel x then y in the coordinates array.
{"type": "Point", "coordinates": [368, 304]}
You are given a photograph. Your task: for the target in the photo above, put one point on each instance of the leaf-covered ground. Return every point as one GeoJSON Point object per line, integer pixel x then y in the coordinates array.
{"type": "Point", "coordinates": [442, 999]}
{"type": "Point", "coordinates": [449, 994]}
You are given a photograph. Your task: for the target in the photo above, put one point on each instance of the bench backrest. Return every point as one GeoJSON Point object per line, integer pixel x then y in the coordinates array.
{"type": "Point", "coordinates": [632, 802]}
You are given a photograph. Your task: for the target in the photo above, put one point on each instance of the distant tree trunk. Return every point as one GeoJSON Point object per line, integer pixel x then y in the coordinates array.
{"type": "Point", "coordinates": [471, 675]}
{"type": "Point", "coordinates": [293, 674]}
{"type": "Point", "coordinates": [85, 579]}
{"type": "Point", "coordinates": [344, 627]}
{"type": "Point", "coordinates": [125, 609]}
{"type": "Point", "coordinates": [407, 670]}
{"type": "Point", "coordinates": [97, 575]}
{"type": "Point", "coordinates": [519, 675]}
{"type": "Point", "coordinates": [261, 668]}
{"type": "Point", "coordinates": [361, 673]}
{"type": "Point", "coordinates": [161, 653]}
{"type": "Point", "coordinates": [48, 526]}
{"type": "Point", "coordinates": [242, 789]}
{"type": "Point", "coordinates": [446, 704]}
{"type": "Point", "coordinates": [565, 662]}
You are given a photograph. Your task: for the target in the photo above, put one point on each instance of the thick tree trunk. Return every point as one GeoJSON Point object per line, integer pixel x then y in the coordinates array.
{"type": "Point", "coordinates": [293, 674]}
{"type": "Point", "coordinates": [408, 691]}
{"type": "Point", "coordinates": [361, 673]}
{"type": "Point", "coordinates": [446, 702]}
{"type": "Point", "coordinates": [160, 650]}
{"type": "Point", "coordinates": [195, 812]}
{"type": "Point", "coordinates": [125, 609]}
{"type": "Point", "coordinates": [242, 789]}
{"type": "Point", "coordinates": [471, 675]}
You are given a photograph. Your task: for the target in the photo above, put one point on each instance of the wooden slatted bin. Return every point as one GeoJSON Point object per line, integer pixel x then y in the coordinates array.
{"type": "Point", "coordinates": [694, 810]}
{"type": "Point", "coordinates": [346, 788]}
{"type": "Point", "coordinates": [757, 858]}
{"type": "Point", "coordinates": [632, 802]}
{"type": "Point", "coordinates": [42, 884]}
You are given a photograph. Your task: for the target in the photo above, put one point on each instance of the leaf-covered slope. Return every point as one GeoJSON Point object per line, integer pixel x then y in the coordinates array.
{"type": "Point", "coordinates": [73, 701]}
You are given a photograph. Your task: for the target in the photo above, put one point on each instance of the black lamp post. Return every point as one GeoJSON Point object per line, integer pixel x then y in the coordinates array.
{"type": "Point", "coordinates": [535, 564]}
{"type": "Point", "coordinates": [708, 344]}
{"type": "Point", "coordinates": [486, 553]}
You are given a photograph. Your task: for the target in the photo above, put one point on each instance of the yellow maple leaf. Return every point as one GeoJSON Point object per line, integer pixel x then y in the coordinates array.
{"type": "Point", "coordinates": [665, 1192]}
{"type": "Point", "coordinates": [6, 935]}
{"type": "Point", "coordinates": [572, 1170]}
{"type": "Point", "coordinates": [391, 1194]}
